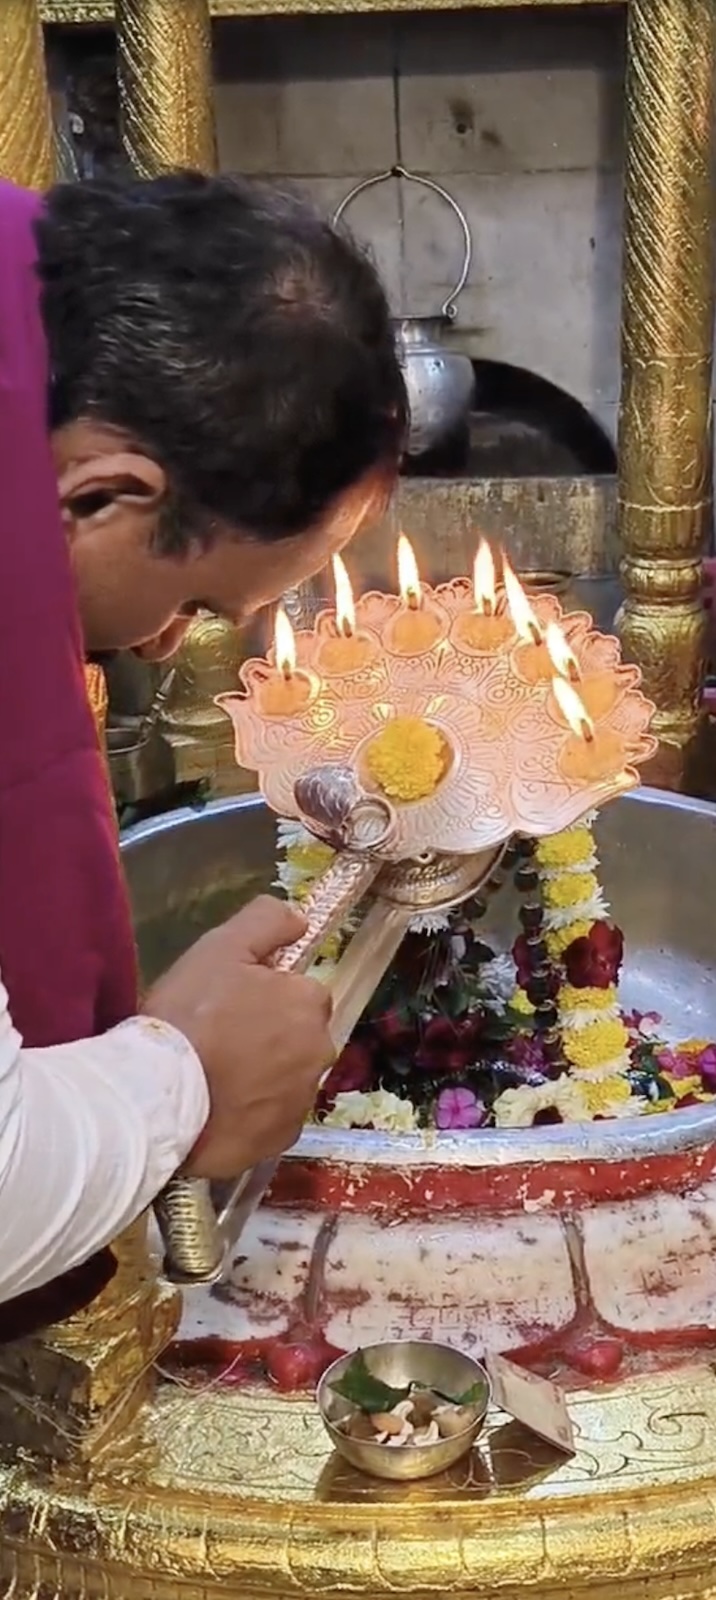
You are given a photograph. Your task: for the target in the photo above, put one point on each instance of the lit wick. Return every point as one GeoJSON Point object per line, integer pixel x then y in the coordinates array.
{"type": "Point", "coordinates": [562, 657]}
{"type": "Point", "coordinates": [345, 608]}
{"type": "Point", "coordinates": [408, 575]}
{"type": "Point", "coordinates": [482, 629]}
{"type": "Point", "coordinates": [285, 691]}
{"type": "Point", "coordinates": [417, 626]}
{"type": "Point", "coordinates": [345, 650]}
{"type": "Point", "coordinates": [599, 691]}
{"type": "Point", "coordinates": [483, 580]}
{"type": "Point", "coordinates": [521, 611]}
{"type": "Point", "coordinates": [590, 754]}
{"type": "Point", "coordinates": [284, 645]}
{"type": "Point", "coordinates": [531, 659]}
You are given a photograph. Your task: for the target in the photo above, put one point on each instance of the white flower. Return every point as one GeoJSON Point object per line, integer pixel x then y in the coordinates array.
{"type": "Point", "coordinates": [570, 1100]}
{"type": "Point", "coordinates": [593, 910]}
{"type": "Point", "coordinates": [290, 877]}
{"type": "Point", "coordinates": [430, 922]}
{"type": "Point", "coordinates": [588, 864]}
{"type": "Point", "coordinates": [517, 1108]}
{"type": "Point", "coordinates": [498, 977]}
{"type": "Point", "coordinates": [290, 833]}
{"type": "Point", "coordinates": [384, 1112]}
{"type": "Point", "coordinates": [583, 1018]}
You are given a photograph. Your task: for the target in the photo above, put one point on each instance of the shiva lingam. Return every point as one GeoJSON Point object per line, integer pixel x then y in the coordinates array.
{"type": "Point", "coordinates": [505, 716]}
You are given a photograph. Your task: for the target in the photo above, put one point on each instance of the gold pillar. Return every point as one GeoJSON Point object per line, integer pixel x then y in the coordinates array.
{"type": "Point", "coordinates": [27, 154]}
{"type": "Point", "coordinates": [165, 84]}
{"type": "Point", "coordinates": [166, 99]}
{"type": "Point", "coordinates": [665, 458]}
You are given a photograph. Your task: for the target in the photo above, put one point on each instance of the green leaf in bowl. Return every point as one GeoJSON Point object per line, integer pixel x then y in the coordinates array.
{"type": "Point", "coordinates": [362, 1389]}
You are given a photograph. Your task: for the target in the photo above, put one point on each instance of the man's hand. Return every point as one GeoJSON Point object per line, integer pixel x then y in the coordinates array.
{"type": "Point", "coordinates": [262, 1036]}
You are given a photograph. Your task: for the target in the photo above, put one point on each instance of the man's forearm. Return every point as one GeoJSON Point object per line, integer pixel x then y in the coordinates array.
{"type": "Point", "coordinates": [89, 1134]}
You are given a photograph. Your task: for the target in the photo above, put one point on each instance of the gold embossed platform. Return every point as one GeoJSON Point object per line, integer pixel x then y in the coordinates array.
{"type": "Point", "coordinates": [246, 1500]}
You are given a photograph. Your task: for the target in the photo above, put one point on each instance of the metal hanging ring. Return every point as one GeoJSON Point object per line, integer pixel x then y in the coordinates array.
{"type": "Point", "coordinates": [448, 309]}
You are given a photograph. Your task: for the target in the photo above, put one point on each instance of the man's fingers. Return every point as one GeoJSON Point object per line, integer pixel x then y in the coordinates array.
{"type": "Point", "coordinates": [266, 926]}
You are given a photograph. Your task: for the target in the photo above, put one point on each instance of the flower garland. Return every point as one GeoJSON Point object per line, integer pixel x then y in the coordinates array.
{"type": "Point", "coordinates": [587, 950]}
{"type": "Point", "coordinates": [453, 1040]}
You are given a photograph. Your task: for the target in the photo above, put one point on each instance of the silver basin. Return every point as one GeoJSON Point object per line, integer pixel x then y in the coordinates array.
{"type": "Point", "coordinates": [188, 870]}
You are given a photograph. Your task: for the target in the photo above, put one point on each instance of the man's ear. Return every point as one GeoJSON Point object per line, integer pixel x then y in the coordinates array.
{"type": "Point", "coordinates": [92, 489]}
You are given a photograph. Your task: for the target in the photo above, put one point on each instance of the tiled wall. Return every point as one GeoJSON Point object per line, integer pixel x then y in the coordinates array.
{"type": "Point", "coordinates": [518, 115]}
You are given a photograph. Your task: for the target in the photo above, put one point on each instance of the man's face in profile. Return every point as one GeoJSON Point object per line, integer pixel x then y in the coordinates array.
{"type": "Point", "coordinates": [132, 596]}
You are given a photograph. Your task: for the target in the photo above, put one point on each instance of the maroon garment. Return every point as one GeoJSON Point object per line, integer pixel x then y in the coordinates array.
{"type": "Point", "coordinates": [66, 948]}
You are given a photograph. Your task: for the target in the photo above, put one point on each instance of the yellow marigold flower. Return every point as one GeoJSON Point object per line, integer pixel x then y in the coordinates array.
{"type": "Point", "coordinates": [311, 858]}
{"type": "Point", "coordinates": [559, 939]}
{"type": "Point", "coordinates": [565, 849]}
{"type": "Point", "coordinates": [680, 1087]}
{"type": "Point", "coordinates": [331, 947]}
{"type": "Point", "coordinates": [691, 1047]}
{"type": "Point", "coordinates": [407, 759]}
{"type": "Point", "coordinates": [590, 1047]}
{"type": "Point", "coordinates": [572, 999]}
{"type": "Point", "coordinates": [519, 1002]}
{"type": "Point", "coordinates": [570, 889]}
{"type": "Point", "coordinates": [608, 1097]}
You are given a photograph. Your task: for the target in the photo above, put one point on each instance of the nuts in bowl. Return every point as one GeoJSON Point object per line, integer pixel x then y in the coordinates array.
{"type": "Point", "coordinates": [405, 1409]}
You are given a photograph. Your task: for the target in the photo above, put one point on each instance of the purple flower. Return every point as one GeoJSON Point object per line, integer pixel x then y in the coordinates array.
{"type": "Point", "coordinates": [677, 1063]}
{"type": "Point", "coordinates": [707, 1066]}
{"type": "Point", "coordinates": [459, 1108]}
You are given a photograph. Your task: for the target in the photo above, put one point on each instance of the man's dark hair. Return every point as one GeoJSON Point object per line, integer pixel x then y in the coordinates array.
{"type": "Point", "coordinates": [233, 334]}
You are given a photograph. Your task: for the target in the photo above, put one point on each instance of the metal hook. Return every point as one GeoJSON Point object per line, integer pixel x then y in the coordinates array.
{"type": "Point", "coordinates": [448, 309]}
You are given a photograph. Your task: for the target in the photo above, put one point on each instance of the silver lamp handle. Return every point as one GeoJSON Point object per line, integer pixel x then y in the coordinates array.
{"type": "Point", "coordinates": [448, 309]}
{"type": "Point", "coordinates": [193, 1232]}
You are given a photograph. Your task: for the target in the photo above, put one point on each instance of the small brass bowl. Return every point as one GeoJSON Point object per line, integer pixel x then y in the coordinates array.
{"type": "Point", "coordinates": [400, 1362]}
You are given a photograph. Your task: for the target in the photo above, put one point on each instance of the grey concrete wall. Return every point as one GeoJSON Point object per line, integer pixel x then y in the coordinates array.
{"type": "Point", "coordinates": [519, 115]}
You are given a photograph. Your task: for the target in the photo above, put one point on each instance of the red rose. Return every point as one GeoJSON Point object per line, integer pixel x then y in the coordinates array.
{"type": "Point", "coordinates": [450, 1044]}
{"type": "Point", "coordinates": [353, 1071]}
{"type": "Point", "coordinates": [594, 962]}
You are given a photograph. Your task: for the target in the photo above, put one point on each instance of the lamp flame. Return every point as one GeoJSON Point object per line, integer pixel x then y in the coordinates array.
{"type": "Point", "coordinates": [521, 611]}
{"type": "Point", "coordinates": [345, 608]}
{"type": "Point", "coordinates": [563, 659]}
{"type": "Point", "coordinates": [572, 709]}
{"type": "Point", "coordinates": [284, 644]}
{"type": "Point", "coordinates": [483, 581]}
{"type": "Point", "coordinates": [408, 575]}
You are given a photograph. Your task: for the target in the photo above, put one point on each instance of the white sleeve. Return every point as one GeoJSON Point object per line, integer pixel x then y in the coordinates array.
{"type": "Point", "coordinates": [89, 1134]}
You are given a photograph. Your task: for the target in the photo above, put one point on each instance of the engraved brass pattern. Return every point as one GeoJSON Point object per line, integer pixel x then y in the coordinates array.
{"type": "Point", "coordinates": [247, 1500]}
{"type": "Point", "coordinates": [506, 774]}
{"type": "Point", "coordinates": [27, 151]}
{"type": "Point", "coordinates": [79, 11]}
{"type": "Point", "coordinates": [667, 341]}
{"type": "Point", "coordinates": [165, 85]}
